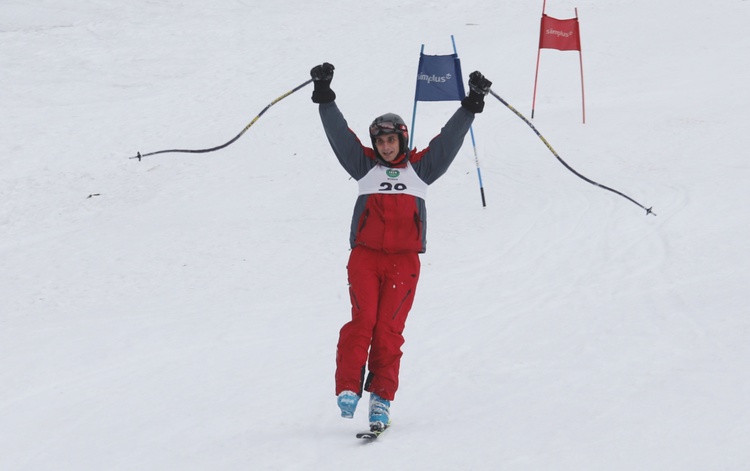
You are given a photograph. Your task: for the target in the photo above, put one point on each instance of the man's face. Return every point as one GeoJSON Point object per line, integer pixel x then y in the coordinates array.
{"type": "Point", "coordinates": [388, 146]}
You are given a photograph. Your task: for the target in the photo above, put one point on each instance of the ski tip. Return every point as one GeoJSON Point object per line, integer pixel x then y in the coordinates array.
{"type": "Point", "coordinates": [375, 432]}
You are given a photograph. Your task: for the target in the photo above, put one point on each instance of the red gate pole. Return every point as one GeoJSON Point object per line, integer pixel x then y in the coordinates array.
{"type": "Point", "coordinates": [580, 58]}
{"type": "Point", "coordinates": [538, 55]}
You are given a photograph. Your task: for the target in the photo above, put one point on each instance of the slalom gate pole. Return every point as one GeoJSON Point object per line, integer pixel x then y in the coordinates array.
{"type": "Point", "coordinates": [648, 210]}
{"type": "Point", "coordinates": [479, 170]}
{"type": "Point", "coordinates": [473, 144]}
{"type": "Point", "coordinates": [201, 151]}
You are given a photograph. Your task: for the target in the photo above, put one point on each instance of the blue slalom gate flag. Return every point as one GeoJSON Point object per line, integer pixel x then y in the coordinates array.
{"type": "Point", "coordinates": [439, 78]}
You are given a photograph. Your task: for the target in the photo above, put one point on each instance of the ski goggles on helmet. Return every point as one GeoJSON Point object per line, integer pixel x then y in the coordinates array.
{"type": "Point", "coordinates": [386, 127]}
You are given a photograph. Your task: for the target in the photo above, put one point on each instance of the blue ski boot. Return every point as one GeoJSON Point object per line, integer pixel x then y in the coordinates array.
{"type": "Point", "coordinates": [380, 416]}
{"type": "Point", "coordinates": [347, 402]}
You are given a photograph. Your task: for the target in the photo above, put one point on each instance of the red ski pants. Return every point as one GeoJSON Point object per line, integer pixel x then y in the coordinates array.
{"type": "Point", "coordinates": [382, 288]}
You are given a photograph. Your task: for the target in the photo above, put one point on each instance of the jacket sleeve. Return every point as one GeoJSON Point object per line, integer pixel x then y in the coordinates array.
{"type": "Point", "coordinates": [432, 162]}
{"type": "Point", "coordinates": [349, 150]}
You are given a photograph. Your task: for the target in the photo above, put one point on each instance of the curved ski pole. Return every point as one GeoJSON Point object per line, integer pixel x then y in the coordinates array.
{"type": "Point", "coordinates": [200, 151]}
{"type": "Point", "coordinates": [648, 210]}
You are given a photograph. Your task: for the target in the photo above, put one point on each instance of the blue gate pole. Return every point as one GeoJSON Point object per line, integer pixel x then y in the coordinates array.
{"type": "Point", "coordinates": [473, 143]}
{"type": "Point", "coordinates": [414, 111]}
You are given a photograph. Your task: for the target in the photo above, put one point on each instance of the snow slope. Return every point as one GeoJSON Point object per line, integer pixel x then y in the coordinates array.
{"type": "Point", "coordinates": [182, 312]}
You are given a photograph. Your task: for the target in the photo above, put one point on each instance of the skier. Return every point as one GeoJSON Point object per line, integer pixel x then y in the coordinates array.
{"type": "Point", "coordinates": [387, 235]}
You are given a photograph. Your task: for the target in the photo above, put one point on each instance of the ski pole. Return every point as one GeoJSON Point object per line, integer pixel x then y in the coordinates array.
{"type": "Point", "coordinates": [200, 151]}
{"type": "Point", "coordinates": [648, 210]}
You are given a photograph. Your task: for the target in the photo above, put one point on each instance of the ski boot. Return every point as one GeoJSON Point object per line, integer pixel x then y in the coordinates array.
{"type": "Point", "coordinates": [380, 417]}
{"type": "Point", "coordinates": [347, 402]}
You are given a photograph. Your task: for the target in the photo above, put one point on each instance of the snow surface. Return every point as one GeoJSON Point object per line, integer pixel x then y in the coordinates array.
{"type": "Point", "coordinates": [182, 312]}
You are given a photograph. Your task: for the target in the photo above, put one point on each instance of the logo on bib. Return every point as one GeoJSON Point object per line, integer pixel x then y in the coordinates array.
{"type": "Point", "coordinates": [392, 173]}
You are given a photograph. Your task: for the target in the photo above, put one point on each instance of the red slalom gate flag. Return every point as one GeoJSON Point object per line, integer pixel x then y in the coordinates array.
{"type": "Point", "coordinates": [563, 35]}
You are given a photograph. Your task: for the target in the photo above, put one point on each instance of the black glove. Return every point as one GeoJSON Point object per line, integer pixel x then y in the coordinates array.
{"type": "Point", "coordinates": [479, 86]}
{"type": "Point", "coordinates": [479, 83]}
{"type": "Point", "coordinates": [322, 75]}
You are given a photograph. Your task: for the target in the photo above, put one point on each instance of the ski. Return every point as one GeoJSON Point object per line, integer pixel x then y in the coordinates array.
{"type": "Point", "coordinates": [372, 434]}
{"type": "Point", "coordinates": [369, 435]}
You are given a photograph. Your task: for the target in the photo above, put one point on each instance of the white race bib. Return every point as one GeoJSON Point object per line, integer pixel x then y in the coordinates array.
{"type": "Point", "coordinates": [393, 181]}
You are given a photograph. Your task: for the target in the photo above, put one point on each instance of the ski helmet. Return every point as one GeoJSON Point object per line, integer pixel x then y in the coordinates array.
{"type": "Point", "coordinates": [391, 123]}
